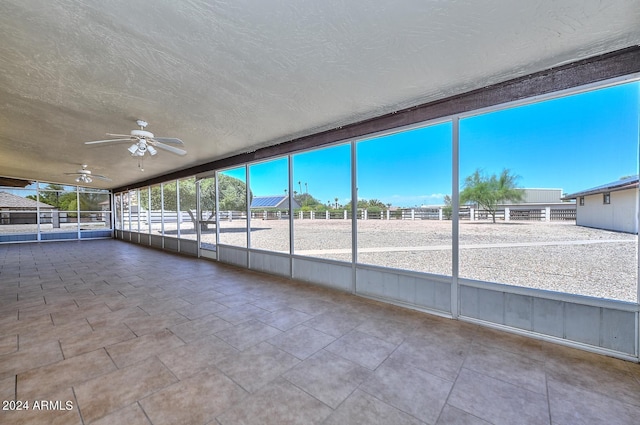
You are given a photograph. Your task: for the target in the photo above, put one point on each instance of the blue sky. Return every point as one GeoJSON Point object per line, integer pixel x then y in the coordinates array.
{"type": "Point", "coordinates": [572, 143]}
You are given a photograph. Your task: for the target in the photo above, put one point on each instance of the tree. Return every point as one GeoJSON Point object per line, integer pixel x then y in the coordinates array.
{"type": "Point", "coordinates": [232, 196]}
{"type": "Point", "coordinates": [488, 192]}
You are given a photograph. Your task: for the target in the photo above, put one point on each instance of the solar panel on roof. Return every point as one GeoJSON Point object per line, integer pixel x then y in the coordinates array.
{"type": "Point", "coordinates": [266, 201]}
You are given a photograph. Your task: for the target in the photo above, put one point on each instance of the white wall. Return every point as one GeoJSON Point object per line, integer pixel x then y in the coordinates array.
{"type": "Point", "coordinates": [619, 215]}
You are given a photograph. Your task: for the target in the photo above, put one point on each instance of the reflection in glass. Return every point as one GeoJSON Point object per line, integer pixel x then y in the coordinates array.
{"type": "Point", "coordinates": [232, 206]}
{"type": "Point", "coordinates": [322, 190]}
{"type": "Point", "coordinates": [551, 149]}
{"type": "Point", "coordinates": [404, 200]}
{"type": "Point", "coordinates": [270, 205]}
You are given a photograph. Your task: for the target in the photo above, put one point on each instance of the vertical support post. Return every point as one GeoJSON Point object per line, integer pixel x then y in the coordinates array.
{"type": "Point", "coordinates": [507, 214]}
{"type": "Point", "coordinates": [291, 226]}
{"type": "Point", "coordinates": [198, 218]}
{"type": "Point", "coordinates": [547, 214]}
{"type": "Point", "coordinates": [354, 217]}
{"type": "Point", "coordinates": [455, 216]}
{"type": "Point", "coordinates": [178, 212]}
{"type": "Point", "coordinates": [247, 186]}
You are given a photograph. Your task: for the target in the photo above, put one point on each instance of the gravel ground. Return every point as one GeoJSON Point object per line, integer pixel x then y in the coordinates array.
{"type": "Point", "coordinates": [557, 256]}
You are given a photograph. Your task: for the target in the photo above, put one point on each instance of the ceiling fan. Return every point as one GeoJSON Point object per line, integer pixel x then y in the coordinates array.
{"type": "Point", "coordinates": [85, 176]}
{"type": "Point", "coordinates": [144, 141]}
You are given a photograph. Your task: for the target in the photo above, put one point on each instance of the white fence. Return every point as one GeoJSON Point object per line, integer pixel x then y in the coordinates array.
{"type": "Point", "coordinates": [441, 213]}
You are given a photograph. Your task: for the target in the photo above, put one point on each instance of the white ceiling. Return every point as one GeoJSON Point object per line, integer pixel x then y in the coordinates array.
{"type": "Point", "coordinates": [228, 77]}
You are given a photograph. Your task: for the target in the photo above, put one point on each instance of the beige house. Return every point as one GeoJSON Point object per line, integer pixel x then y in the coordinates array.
{"type": "Point", "coordinates": [612, 206]}
{"type": "Point", "coordinates": [16, 209]}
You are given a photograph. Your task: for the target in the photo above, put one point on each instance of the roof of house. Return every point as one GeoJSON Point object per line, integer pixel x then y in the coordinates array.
{"type": "Point", "coordinates": [268, 201]}
{"type": "Point", "coordinates": [9, 200]}
{"type": "Point", "coordinates": [622, 184]}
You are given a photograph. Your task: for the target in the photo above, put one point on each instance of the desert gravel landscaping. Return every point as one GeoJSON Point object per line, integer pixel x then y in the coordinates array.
{"type": "Point", "coordinates": [555, 256]}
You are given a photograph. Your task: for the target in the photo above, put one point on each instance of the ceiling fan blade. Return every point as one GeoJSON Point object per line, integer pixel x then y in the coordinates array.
{"type": "Point", "coordinates": [127, 136]}
{"type": "Point", "coordinates": [108, 141]}
{"type": "Point", "coordinates": [171, 149]}
{"type": "Point", "coordinates": [98, 176]}
{"type": "Point", "coordinates": [172, 140]}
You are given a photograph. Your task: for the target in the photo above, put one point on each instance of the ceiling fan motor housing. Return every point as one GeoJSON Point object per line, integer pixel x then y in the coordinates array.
{"type": "Point", "coordinates": [143, 134]}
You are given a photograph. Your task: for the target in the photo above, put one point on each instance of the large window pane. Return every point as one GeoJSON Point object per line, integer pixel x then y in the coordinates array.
{"type": "Point", "coordinates": [144, 213]}
{"type": "Point", "coordinates": [155, 215]}
{"type": "Point", "coordinates": [322, 189]}
{"type": "Point", "coordinates": [208, 213]}
{"type": "Point", "coordinates": [133, 214]}
{"type": "Point", "coordinates": [95, 209]}
{"type": "Point", "coordinates": [187, 216]}
{"type": "Point", "coordinates": [404, 200]}
{"type": "Point", "coordinates": [63, 216]}
{"type": "Point", "coordinates": [232, 206]}
{"type": "Point", "coordinates": [18, 212]}
{"type": "Point", "coordinates": [270, 205]}
{"type": "Point", "coordinates": [556, 152]}
{"type": "Point", "coordinates": [170, 209]}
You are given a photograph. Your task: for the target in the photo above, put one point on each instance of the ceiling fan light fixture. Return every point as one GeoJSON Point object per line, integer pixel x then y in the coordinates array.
{"type": "Point", "coordinates": [151, 150]}
{"type": "Point", "coordinates": [133, 149]}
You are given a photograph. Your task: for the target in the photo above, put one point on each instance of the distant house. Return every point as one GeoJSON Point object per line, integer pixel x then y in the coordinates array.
{"type": "Point", "coordinates": [611, 206]}
{"type": "Point", "coordinates": [278, 202]}
{"type": "Point", "coordinates": [16, 209]}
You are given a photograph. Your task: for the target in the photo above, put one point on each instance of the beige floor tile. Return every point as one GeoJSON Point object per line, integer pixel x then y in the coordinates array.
{"type": "Point", "coordinates": [574, 405]}
{"type": "Point", "coordinates": [137, 349]}
{"type": "Point", "coordinates": [301, 341]}
{"type": "Point", "coordinates": [242, 313]}
{"type": "Point", "coordinates": [187, 360]}
{"type": "Point", "coordinates": [48, 332]}
{"type": "Point", "coordinates": [201, 309]}
{"type": "Point", "coordinates": [113, 391]}
{"type": "Point", "coordinates": [452, 416]}
{"type": "Point", "coordinates": [37, 383]}
{"type": "Point", "coordinates": [441, 356]}
{"type": "Point", "coordinates": [130, 415]}
{"type": "Point", "coordinates": [409, 389]}
{"type": "Point", "coordinates": [392, 331]}
{"type": "Point", "coordinates": [362, 348]}
{"type": "Point", "coordinates": [362, 408]}
{"type": "Point", "coordinates": [509, 367]}
{"type": "Point", "coordinates": [8, 344]}
{"type": "Point", "coordinates": [151, 324]}
{"type": "Point", "coordinates": [29, 358]}
{"type": "Point", "coordinates": [498, 402]}
{"type": "Point", "coordinates": [278, 403]}
{"type": "Point", "coordinates": [115, 318]}
{"type": "Point", "coordinates": [196, 400]}
{"type": "Point", "coordinates": [328, 377]}
{"type": "Point", "coordinates": [335, 323]}
{"type": "Point", "coordinates": [8, 388]}
{"type": "Point", "coordinates": [247, 334]}
{"type": "Point", "coordinates": [285, 318]}
{"type": "Point", "coordinates": [76, 344]}
{"type": "Point", "coordinates": [193, 330]}
{"type": "Point", "coordinates": [258, 365]}
{"type": "Point", "coordinates": [64, 317]}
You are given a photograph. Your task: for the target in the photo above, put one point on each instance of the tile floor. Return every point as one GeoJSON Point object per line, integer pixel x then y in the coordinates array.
{"type": "Point", "coordinates": [130, 335]}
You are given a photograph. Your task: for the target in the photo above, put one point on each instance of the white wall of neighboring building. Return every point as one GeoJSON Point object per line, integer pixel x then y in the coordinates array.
{"type": "Point", "coordinates": [619, 215]}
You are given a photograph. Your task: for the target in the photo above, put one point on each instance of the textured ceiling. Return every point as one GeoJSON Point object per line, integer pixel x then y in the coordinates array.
{"type": "Point", "coordinates": [229, 77]}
